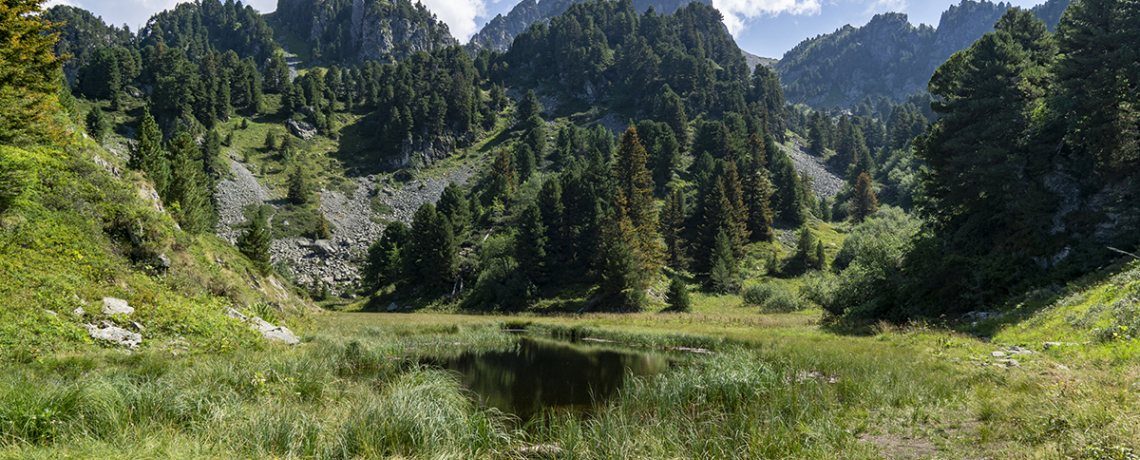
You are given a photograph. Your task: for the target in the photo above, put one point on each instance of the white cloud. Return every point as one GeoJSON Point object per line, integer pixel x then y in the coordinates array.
{"type": "Point", "coordinates": [135, 13]}
{"type": "Point", "coordinates": [879, 6]}
{"type": "Point", "coordinates": [458, 14]}
{"type": "Point", "coordinates": [736, 12]}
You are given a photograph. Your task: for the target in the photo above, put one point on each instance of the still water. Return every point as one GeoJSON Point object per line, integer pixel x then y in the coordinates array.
{"type": "Point", "coordinates": [543, 374]}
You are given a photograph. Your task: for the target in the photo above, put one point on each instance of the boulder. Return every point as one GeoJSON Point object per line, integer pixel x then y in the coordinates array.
{"type": "Point", "coordinates": [274, 333]}
{"type": "Point", "coordinates": [302, 129]}
{"type": "Point", "coordinates": [393, 307]}
{"type": "Point", "coordinates": [113, 306]}
{"type": "Point", "coordinates": [78, 311]}
{"type": "Point", "coordinates": [116, 335]}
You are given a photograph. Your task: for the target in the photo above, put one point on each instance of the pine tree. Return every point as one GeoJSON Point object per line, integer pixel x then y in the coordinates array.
{"type": "Point", "coordinates": [453, 206]}
{"type": "Point", "coordinates": [97, 124]}
{"type": "Point", "coordinates": [525, 162]}
{"type": "Point", "coordinates": [530, 241]}
{"type": "Point", "coordinates": [322, 232]}
{"type": "Point", "coordinates": [299, 187]}
{"type": "Point", "coordinates": [806, 247]}
{"type": "Point", "coordinates": [270, 141]}
{"type": "Point", "coordinates": [671, 111]}
{"type": "Point", "coordinates": [384, 263]}
{"type": "Point", "coordinates": [28, 70]}
{"type": "Point", "coordinates": [678, 295]}
{"type": "Point", "coordinates": [529, 107]}
{"type": "Point", "coordinates": [254, 243]}
{"type": "Point", "coordinates": [672, 229]}
{"type": "Point", "coordinates": [820, 257]}
{"type": "Point", "coordinates": [188, 194]}
{"type": "Point", "coordinates": [635, 193]}
{"type": "Point", "coordinates": [723, 263]}
{"type": "Point", "coordinates": [148, 156]}
{"type": "Point", "coordinates": [212, 162]}
{"type": "Point", "coordinates": [758, 192]}
{"type": "Point", "coordinates": [734, 191]}
{"type": "Point", "coordinates": [553, 212]}
{"type": "Point", "coordinates": [432, 251]}
{"type": "Point", "coordinates": [503, 175]}
{"type": "Point", "coordinates": [863, 203]}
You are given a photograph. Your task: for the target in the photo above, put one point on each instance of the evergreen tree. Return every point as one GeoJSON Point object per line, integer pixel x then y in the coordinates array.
{"type": "Point", "coordinates": [620, 278]}
{"type": "Point", "coordinates": [455, 208]}
{"type": "Point", "coordinates": [734, 191]}
{"type": "Point", "coordinates": [212, 162]}
{"type": "Point", "coordinates": [323, 230]}
{"type": "Point", "coordinates": [384, 263]}
{"type": "Point", "coordinates": [97, 124]}
{"type": "Point", "coordinates": [432, 250]}
{"type": "Point", "coordinates": [530, 241]}
{"type": "Point", "coordinates": [863, 203]}
{"type": "Point", "coordinates": [724, 266]}
{"type": "Point", "coordinates": [806, 247]}
{"type": "Point", "coordinates": [254, 243]}
{"type": "Point", "coordinates": [672, 229]}
{"type": "Point", "coordinates": [716, 217]}
{"type": "Point", "coordinates": [299, 187]}
{"type": "Point", "coordinates": [820, 257]}
{"type": "Point", "coordinates": [525, 162]}
{"type": "Point", "coordinates": [28, 72]}
{"type": "Point", "coordinates": [678, 295]}
{"type": "Point", "coordinates": [819, 133]}
{"type": "Point", "coordinates": [1099, 80]}
{"type": "Point", "coordinates": [189, 196]}
{"type": "Point", "coordinates": [502, 175]}
{"type": "Point", "coordinates": [758, 192]}
{"type": "Point", "coordinates": [529, 107]}
{"type": "Point", "coordinates": [671, 111]}
{"type": "Point", "coordinates": [148, 156]}
{"type": "Point", "coordinates": [791, 195]}
{"type": "Point", "coordinates": [635, 194]}
{"type": "Point", "coordinates": [553, 212]}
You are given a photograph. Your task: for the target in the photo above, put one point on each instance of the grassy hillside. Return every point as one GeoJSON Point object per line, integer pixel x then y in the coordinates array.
{"type": "Point", "coordinates": [78, 231]}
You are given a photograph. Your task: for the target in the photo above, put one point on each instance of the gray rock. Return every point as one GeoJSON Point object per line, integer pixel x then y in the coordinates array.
{"type": "Point", "coordinates": [113, 306]}
{"type": "Point", "coordinates": [1049, 345]}
{"type": "Point", "coordinates": [1016, 350]}
{"type": "Point", "coordinates": [115, 335]}
{"type": "Point", "coordinates": [51, 313]}
{"type": "Point", "coordinates": [302, 129]}
{"type": "Point", "coordinates": [78, 311]}
{"type": "Point", "coordinates": [393, 307]}
{"type": "Point", "coordinates": [163, 262]}
{"type": "Point", "coordinates": [998, 354]}
{"type": "Point", "coordinates": [235, 315]}
{"type": "Point", "coordinates": [323, 247]}
{"type": "Point", "coordinates": [274, 333]}
{"type": "Point", "coordinates": [136, 326]}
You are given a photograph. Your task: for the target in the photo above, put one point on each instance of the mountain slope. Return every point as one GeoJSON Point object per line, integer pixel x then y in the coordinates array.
{"type": "Point", "coordinates": [353, 31]}
{"type": "Point", "coordinates": [501, 31]}
{"type": "Point", "coordinates": [889, 56]}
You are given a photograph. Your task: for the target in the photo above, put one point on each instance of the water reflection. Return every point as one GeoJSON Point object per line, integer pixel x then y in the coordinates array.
{"type": "Point", "coordinates": [540, 374]}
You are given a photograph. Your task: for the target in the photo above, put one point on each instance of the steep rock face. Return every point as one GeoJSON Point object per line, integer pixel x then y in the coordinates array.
{"type": "Point", "coordinates": [360, 30]}
{"type": "Point", "coordinates": [501, 31]}
{"type": "Point", "coordinates": [889, 56]}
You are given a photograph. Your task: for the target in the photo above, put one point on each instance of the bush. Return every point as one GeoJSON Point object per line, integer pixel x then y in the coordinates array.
{"type": "Point", "coordinates": [772, 297]}
{"type": "Point", "coordinates": [678, 296]}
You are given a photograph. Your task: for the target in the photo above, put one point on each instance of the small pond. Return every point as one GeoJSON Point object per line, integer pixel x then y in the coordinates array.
{"type": "Point", "coordinates": [541, 374]}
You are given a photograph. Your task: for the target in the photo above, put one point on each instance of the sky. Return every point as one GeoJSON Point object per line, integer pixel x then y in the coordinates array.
{"type": "Point", "coordinates": [767, 28]}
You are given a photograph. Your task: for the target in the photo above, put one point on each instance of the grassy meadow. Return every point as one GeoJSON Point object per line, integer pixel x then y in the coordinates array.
{"type": "Point", "coordinates": [775, 385]}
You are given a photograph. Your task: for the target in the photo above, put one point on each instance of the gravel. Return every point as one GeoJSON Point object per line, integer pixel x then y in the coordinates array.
{"type": "Point", "coordinates": [827, 183]}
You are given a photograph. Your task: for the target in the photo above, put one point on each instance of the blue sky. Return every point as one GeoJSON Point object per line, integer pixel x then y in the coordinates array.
{"type": "Point", "coordinates": [764, 27]}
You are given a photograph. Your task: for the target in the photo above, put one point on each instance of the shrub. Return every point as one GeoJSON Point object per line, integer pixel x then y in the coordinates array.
{"type": "Point", "coordinates": [772, 297]}
{"type": "Point", "coordinates": [679, 295]}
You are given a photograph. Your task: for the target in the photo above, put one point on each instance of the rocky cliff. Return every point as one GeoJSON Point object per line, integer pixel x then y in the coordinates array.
{"type": "Point", "coordinates": [359, 30]}
{"type": "Point", "coordinates": [889, 56]}
{"type": "Point", "coordinates": [500, 32]}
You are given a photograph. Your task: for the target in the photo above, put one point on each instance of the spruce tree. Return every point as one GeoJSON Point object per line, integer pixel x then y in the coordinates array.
{"type": "Point", "coordinates": [553, 212]}
{"type": "Point", "coordinates": [97, 124]}
{"type": "Point", "coordinates": [723, 263]}
{"type": "Point", "coordinates": [671, 111]}
{"type": "Point", "coordinates": [270, 141]}
{"type": "Point", "coordinates": [189, 193]}
{"type": "Point", "coordinates": [529, 107]}
{"type": "Point", "coordinates": [806, 247]}
{"type": "Point", "coordinates": [212, 162]}
{"type": "Point", "coordinates": [503, 175]}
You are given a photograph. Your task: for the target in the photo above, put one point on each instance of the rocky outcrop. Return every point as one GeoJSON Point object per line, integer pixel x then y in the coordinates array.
{"type": "Point", "coordinates": [501, 31]}
{"type": "Point", "coordinates": [115, 335]}
{"type": "Point", "coordinates": [268, 331]}
{"type": "Point", "coordinates": [301, 129]}
{"type": "Point", "coordinates": [113, 306]}
{"type": "Point", "coordinates": [378, 30]}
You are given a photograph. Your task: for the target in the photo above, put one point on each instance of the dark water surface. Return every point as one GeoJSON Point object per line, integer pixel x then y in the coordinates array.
{"type": "Point", "coordinates": [543, 374]}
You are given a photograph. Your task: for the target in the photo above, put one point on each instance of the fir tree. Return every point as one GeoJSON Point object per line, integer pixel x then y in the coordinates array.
{"type": "Point", "coordinates": [724, 266]}
{"type": "Point", "coordinates": [806, 247]}
{"type": "Point", "coordinates": [553, 211]}
{"type": "Point", "coordinates": [503, 175]}
{"type": "Point", "coordinates": [28, 70]}
{"type": "Point", "coordinates": [97, 124]}
{"type": "Point", "coordinates": [212, 162]}
{"type": "Point", "coordinates": [529, 107]}
{"type": "Point", "coordinates": [453, 206]}
{"type": "Point", "coordinates": [322, 231]}
{"type": "Point", "coordinates": [189, 193]}
{"type": "Point", "coordinates": [270, 141]}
